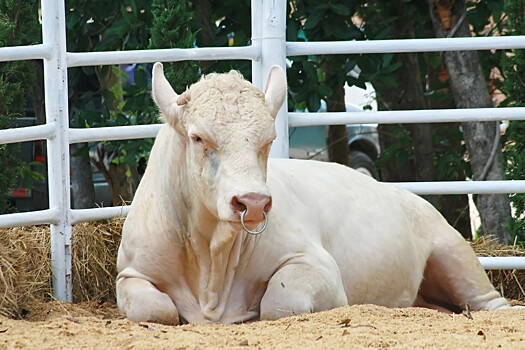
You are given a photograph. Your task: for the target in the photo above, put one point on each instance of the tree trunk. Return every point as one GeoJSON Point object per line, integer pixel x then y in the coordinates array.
{"type": "Point", "coordinates": [455, 208]}
{"type": "Point", "coordinates": [82, 189]}
{"type": "Point", "coordinates": [204, 11]}
{"type": "Point", "coordinates": [124, 182]}
{"type": "Point", "coordinates": [337, 139]}
{"type": "Point", "coordinates": [123, 179]}
{"type": "Point", "coordinates": [469, 89]}
{"type": "Point", "coordinates": [406, 96]}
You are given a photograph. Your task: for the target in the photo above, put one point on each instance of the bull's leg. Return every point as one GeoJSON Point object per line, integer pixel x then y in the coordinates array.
{"type": "Point", "coordinates": [302, 288]}
{"type": "Point", "coordinates": [141, 301]}
{"type": "Point", "coordinates": [454, 278]}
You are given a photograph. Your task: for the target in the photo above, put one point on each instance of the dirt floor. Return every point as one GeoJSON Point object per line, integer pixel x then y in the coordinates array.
{"type": "Point", "coordinates": [57, 325]}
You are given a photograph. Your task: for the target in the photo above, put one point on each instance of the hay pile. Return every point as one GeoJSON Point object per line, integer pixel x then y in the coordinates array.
{"type": "Point", "coordinates": [25, 265]}
{"type": "Point", "coordinates": [24, 268]}
{"type": "Point", "coordinates": [510, 283]}
{"type": "Point", "coordinates": [95, 247]}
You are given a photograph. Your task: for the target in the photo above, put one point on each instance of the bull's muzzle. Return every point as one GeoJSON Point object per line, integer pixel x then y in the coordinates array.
{"type": "Point", "coordinates": [252, 208]}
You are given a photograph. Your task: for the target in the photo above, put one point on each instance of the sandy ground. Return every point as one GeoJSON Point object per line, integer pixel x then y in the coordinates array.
{"type": "Point", "coordinates": [92, 326]}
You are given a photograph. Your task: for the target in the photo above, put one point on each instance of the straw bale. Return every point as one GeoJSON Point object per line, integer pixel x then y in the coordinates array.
{"type": "Point", "coordinates": [510, 283]}
{"type": "Point", "coordinates": [25, 269]}
{"type": "Point", "coordinates": [95, 246]}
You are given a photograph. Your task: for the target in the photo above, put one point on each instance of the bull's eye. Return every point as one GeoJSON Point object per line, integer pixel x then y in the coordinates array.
{"type": "Point", "coordinates": [196, 138]}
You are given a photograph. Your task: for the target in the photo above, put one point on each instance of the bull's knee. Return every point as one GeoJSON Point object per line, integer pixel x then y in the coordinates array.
{"type": "Point", "coordinates": [297, 289]}
{"type": "Point", "coordinates": [141, 301]}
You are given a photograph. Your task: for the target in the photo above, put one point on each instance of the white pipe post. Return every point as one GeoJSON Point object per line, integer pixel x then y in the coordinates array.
{"type": "Point", "coordinates": [256, 10]}
{"type": "Point", "coordinates": [273, 52]}
{"type": "Point", "coordinates": [56, 104]}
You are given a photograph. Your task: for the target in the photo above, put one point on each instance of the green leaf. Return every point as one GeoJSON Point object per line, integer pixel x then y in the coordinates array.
{"type": "Point", "coordinates": [392, 67]}
{"type": "Point", "coordinates": [292, 30]}
{"type": "Point", "coordinates": [356, 82]}
{"type": "Point", "coordinates": [313, 19]}
{"type": "Point", "coordinates": [311, 72]}
{"type": "Point", "coordinates": [341, 9]}
{"type": "Point", "coordinates": [387, 59]}
{"type": "Point", "coordinates": [141, 78]}
{"type": "Point", "coordinates": [324, 90]}
{"type": "Point", "coordinates": [314, 102]}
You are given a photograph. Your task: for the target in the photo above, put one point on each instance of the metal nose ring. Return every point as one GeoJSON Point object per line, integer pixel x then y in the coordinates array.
{"type": "Point", "coordinates": [254, 233]}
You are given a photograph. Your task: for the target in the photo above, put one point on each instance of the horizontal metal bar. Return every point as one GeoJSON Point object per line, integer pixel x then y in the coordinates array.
{"type": "Point", "coordinates": [76, 59]}
{"type": "Point", "coordinates": [30, 52]}
{"type": "Point", "coordinates": [128, 132]}
{"type": "Point", "coordinates": [28, 133]}
{"type": "Point", "coordinates": [503, 262]}
{"type": "Point", "coordinates": [407, 116]}
{"type": "Point", "coordinates": [40, 217]}
{"type": "Point", "coordinates": [403, 45]}
{"type": "Point", "coordinates": [95, 214]}
{"type": "Point", "coordinates": [463, 187]}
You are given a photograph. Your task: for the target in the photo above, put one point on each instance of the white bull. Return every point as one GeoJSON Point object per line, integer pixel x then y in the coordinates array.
{"type": "Point", "coordinates": [334, 236]}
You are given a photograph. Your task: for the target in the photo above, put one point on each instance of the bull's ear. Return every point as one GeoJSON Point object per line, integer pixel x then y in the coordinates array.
{"type": "Point", "coordinates": [275, 91]}
{"type": "Point", "coordinates": [163, 95]}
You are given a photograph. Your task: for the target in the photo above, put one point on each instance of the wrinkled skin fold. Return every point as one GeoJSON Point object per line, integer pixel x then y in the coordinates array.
{"type": "Point", "coordinates": [334, 237]}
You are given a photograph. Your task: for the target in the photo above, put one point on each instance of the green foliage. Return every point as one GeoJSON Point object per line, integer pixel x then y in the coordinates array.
{"type": "Point", "coordinates": [15, 77]}
{"type": "Point", "coordinates": [103, 95]}
{"type": "Point", "coordinates": [400, 152]}
{"type": "Point", "coordinates": [314, 78]}
{"type": "Point", "coordinates": [514, 88]}
{"type": "Point", "coordinates": [99, 95]}
{"type": "Point", "coordinates": [317, 20]}
{"type": "Point", "coordinates": [448, 157]}
{"type": "Point", "coordinates": [488, 18]}
{"type": "Point", "coordinates": [9, 166]}
{"type": "Point", "coordinates": [170, 29]}
{"type": "Point", "coordinates": [230, 22]}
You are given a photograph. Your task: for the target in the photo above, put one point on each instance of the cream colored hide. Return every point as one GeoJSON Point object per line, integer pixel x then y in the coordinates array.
{"type": "Point", "coordinates": [334, 237]}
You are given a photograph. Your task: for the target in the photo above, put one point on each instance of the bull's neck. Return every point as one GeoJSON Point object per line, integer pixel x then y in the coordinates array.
{"type": "Point", "coordinates": [217, 260]}
{"type": "Point", "coordinates": [169, 181]}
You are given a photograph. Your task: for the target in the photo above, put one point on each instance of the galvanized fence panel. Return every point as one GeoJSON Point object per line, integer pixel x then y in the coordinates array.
{"type": "Point", "coordinates": [268, 47]}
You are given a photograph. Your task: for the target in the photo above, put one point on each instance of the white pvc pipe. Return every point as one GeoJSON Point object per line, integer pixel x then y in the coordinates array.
{"type": "Point", "coordinates": [39, 217]}
{"type": "Point", "coordinates": [112, 133]}
{"type": "Point", "coordinates": [404, 45]}
{"type": "Point", "coordinates": [56, 108]}
{"type": "Point", "coordinates": [503, 262]}
{"type": "Point", "coordinates": [33, 52]}
{"type": "Point", "coordinates": [463, 187]}
{"type": "Point", "coordinates": [407, 116]}
{"type": "Point", "coordinates": [76, 59]}
{"type": "Point", "coordinates": [95, 214]}
{"type": "Point", "coordinates": [29, 133]}
{"type": "Point", "coordinates": [273, 52]}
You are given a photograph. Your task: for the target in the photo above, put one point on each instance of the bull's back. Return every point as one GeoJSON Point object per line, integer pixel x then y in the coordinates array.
{"type": "Point", "coordinates": [365, 225]}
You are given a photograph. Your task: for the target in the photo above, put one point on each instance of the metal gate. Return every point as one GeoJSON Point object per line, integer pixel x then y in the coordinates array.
{"type": "Point", "coordinates": [268, 47]}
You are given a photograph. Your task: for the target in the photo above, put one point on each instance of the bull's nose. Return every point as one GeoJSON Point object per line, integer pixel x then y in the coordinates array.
{"type": "Point", "coordinates": [254, 204]}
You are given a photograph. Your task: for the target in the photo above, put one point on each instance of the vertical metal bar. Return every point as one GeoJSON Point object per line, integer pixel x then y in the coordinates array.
{"type": "Point", "coordinates": [256, 10]}
{"type": "Point", "coordinates": [56, 107]}
{"type": "Point", "coordinates": [273, 46]}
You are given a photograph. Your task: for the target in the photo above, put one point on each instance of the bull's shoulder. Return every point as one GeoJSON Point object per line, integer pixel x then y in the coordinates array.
{"type": "Point", "coordinates": [340, 182]}
{"type": "Point", "coordinates": [317, 173]}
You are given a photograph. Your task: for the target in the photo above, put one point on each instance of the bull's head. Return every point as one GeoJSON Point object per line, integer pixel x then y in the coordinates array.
{"type": "Point", "coordinates": [228, 128]}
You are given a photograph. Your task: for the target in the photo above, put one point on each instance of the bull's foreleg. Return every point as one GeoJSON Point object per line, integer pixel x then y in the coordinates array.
{"type": "Point", "coordinates": [141, 301]}
{"type": "Point", "coordinates": [302, 288]}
